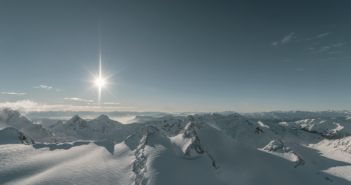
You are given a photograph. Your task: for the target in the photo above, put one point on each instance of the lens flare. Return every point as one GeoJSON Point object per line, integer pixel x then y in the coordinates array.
{"type": "Point", "coordinates": [100, 82]}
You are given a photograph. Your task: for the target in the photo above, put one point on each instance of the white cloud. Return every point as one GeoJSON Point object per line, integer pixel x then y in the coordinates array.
{"type": "Point", "coordinates": [322, 35]}
{"type": "Point", "coordinates": [79, 99]}
{"type": "Point", "coordinates": [59, 90]}
{"type": "Point", "coordinates": [286, 39]}
{"type": "Point", "coordinates": [334, 52]}
{"type": "Point", "coordinates": [325, 48]}
{"type": "Point", "coordinates": [13, 93]}
{"type": "Point", "coordinates": [43, 87]}
{"type": "Point", "coordinates": [110, 103]}
{"type": "Point", "coordinates": [29, 106]}
{"type": "Point", "coordinates": [275, 44]}
{"type": "Point", "coordinates": [337, 44]}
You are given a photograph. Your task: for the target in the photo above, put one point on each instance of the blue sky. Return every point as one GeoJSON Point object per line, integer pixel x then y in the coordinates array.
{"type": "Point", "coordinates": [175, 56]}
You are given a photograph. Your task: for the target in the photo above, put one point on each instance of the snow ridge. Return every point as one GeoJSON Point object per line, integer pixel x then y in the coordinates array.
{"type": "Point", "coordinates": [139, 165]}
{"type": "Point", "coordinates": [280, 147]}
{"type": "Point", "coordinates": [195, 143]}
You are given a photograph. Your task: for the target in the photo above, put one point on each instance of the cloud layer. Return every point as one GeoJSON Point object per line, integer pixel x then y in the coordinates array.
{"type": "Point", "coordinates": [13, 93]}
{"type": "Point", "coordinates": [43, 87]}
{"type": "Point", "coordinates": [30, 106]}
{"type": "Point", "coordinates": [79, 99]}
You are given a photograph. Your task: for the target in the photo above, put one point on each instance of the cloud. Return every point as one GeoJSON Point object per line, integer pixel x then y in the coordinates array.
{"type": "Point", "coordinates": [286, 39]}
{"type": "Point", "coordinates": [43, 87]}
{"type": "Point", "coordinates": [334, 52]}
{"type": "Point", "coordinates": [322, 35]}
{"type": "Point", "coordinates": [59, 90]}
{"type": "Point", "coordinates": [13, 93]}
{"type": "Point", "coordinates": [31, 106]}
{"type": "Point", "coordinates": [110, 103]}
{"type": "Point", "coordinates": [78, 99]}
{"type": "Point", "coordinates": [337, 44]}
{"type": "Point", "coordinates": [325, 48]}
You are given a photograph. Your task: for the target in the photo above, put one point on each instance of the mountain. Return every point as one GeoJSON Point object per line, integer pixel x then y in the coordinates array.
{"type": "Point", "coordinates": [10, 135]}
{"type": "Point", "coordinates": [297, 115]}
{"type": "Point", "coordinates": [194, 149]}
{"type": "Point", "coordinates": [97, 129]}
{"type": "Point", "coordinates": [11, 118]}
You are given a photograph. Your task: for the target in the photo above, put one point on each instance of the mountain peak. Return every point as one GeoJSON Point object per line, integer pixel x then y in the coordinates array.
{"type": "Point", "coordinates": [103, 117]}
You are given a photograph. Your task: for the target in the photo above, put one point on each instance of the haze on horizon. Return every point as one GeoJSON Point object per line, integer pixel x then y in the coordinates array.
{"type": "Point", "coordinates": [175, 56]}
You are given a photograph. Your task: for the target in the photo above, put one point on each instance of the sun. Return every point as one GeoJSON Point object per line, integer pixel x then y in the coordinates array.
{"type": "Point", "coordinates": [100, 82]}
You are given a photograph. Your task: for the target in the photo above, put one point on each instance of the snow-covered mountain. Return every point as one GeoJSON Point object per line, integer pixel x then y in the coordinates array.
{"type": "Point", "coordinates": [297, 115]}
{"type": "Point", "coordinates": [10, 135]}
{"type": "Point", "coordinates": [97, 129]}
{"type": "Point", "coordinates": [10, 118]}
{"type": "Point", "coordinates": [195, 149]}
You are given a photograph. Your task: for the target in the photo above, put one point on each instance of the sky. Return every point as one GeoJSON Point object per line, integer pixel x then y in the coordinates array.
{"type": "Point", "coordinates": [175, 56]}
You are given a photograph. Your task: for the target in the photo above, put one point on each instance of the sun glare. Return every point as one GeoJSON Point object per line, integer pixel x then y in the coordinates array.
{"type": "Point", "coordinates": [100, 82]}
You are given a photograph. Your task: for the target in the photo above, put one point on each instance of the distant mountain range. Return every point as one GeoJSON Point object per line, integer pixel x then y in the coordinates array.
{"type": "Point", "coordinates": [294, 147]}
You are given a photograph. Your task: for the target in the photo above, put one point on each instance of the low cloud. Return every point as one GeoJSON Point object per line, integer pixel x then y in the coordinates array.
{"type": "Point", "coordinates": [79, 99]}
{"type": "Point", "coordinates": [323, 35]}
{"type": "Point", "coordinates": [59, 90]}
{"type": "Point", "coordinates": [110, 103]}
{"type": "Point", "coordinates": [288, 38]}
{"type": "Point", "coordinates": [43, 87]}
{"type": "Point", "coordinates": [30, 106]}
{"type": "Point", "coordinates": [13, 93]}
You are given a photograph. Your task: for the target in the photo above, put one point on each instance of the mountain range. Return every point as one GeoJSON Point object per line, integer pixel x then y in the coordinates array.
{"type": "Point", "coordinates": [293, 147]}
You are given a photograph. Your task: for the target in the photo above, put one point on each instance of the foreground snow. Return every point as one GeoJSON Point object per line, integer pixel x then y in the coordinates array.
{"type": "Point", "coordinates": [198, 149]}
